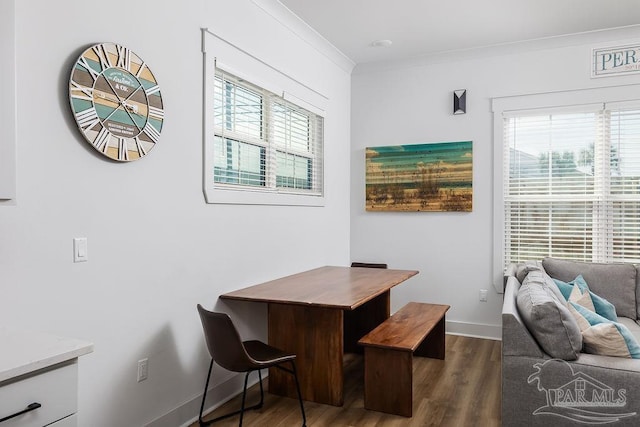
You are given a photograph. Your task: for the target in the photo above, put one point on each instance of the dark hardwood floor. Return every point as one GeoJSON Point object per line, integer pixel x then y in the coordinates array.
{"type": "Point", "coordinates": [461, 391]}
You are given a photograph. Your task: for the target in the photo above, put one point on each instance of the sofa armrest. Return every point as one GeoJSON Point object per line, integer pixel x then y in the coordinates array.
{"type": "Point", "coordinates": [509, 271]}
{"type": "Point", "coordinates": [516, 339]}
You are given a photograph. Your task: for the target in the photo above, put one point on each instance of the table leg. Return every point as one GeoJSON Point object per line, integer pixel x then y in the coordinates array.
{"type": "Point", "coordinates": [364, 319]}
{"type": "Point", "coordinates": [315, 335]}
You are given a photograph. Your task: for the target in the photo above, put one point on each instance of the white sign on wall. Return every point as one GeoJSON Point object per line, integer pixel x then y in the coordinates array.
{"type": "Point", "coordinates": [615, 61]}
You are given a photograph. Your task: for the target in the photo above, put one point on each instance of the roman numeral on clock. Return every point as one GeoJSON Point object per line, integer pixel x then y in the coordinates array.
{"type": "Point", "coordinates": [123, 154]}
{"type": "Point", "coordinates": [156, 113]}
{"type": "Point", "coordinates": [140, 147]}
{"type": "Point", "coordinates": [142, 66]}
{"type": "Point", "coordinates": [151, 132]}
{"type": "Point", "coordinates": [124, 57]}
{"type": "Point", "coordinates": [102, 140]}
{"type": "Point", "coordinates": [87, 119]}
{"type": "Point", "coordinates": [83, 62]}
{"type": "Point", "coordinates": [103, 55]}
{"type": "Point", "coordinates": [77, 91]}
{"type": "Point", "coordinates": [152, 89]}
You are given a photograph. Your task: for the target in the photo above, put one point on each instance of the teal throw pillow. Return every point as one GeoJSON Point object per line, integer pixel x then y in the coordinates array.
{"type": "Point", "coordinates": [604, 337]}
{"type": "Point", "coordinates": [602, 306]}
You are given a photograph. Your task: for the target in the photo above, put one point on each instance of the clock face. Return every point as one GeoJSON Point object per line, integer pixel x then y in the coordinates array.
{"type": "Point", "coordinates": [116, 102]}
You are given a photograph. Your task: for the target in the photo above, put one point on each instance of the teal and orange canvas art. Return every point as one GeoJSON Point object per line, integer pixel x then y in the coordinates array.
{"type": "Point", "coordinates": [436, 177]}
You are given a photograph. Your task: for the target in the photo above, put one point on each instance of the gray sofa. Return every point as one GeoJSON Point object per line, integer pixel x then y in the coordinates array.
{"type": "Point", "coordinates": [578, 388]}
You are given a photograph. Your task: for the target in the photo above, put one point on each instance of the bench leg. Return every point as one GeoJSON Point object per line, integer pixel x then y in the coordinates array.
{"type": "Point", "coordinates": [388, 381]}
{"type": "Point", "coordinates": [433, 345]}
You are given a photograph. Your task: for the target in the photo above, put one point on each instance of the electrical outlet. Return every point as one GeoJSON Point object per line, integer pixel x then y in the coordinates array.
{"type": "Point", "coordinates": [143, 369]}
{"type": "Point", "coordinates": [483, 295]}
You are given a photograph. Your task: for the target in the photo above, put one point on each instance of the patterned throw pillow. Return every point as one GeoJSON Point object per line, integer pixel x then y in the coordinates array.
{"type": "Point", "coordinates": [602, 306]}
{"type": "Point", "coordinates": [602, 336]}
{"type": "Point", "coordinates": [582, 298]}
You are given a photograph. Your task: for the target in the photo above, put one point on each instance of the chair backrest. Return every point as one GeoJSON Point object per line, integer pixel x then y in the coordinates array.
{"type": "Point", "coordinates": [368, 265]}
{"type": "Point", "coordinates": [223, 341]}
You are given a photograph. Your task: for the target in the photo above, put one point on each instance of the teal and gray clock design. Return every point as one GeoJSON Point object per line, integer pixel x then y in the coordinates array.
{"type": "Point", "coordinates": [116, 102]}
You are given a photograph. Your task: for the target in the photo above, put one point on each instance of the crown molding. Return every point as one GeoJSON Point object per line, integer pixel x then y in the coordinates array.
{"type": "Point", "coordinates": [595, 38]}
{"type": "Point", "coordinates": [302, 30]}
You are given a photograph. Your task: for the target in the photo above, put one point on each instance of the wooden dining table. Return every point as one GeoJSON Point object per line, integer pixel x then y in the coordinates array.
{"type": "Point", "coordinates": [320, 315]}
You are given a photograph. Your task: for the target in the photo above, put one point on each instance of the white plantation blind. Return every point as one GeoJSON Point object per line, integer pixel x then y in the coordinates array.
{"type": "Point", "coordinates": [263, 141]}
{"type": "Point", "coordinates": [297, 136]}
{"type": "Point", "coordinates": [624, 126]}
{"type": "Point", "coordinates": [571, 183]}
{"type": "Point", "coordinates": [239, 144]}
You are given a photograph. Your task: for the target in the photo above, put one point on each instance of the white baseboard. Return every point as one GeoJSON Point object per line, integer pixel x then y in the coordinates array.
{"type": "Point", "coordinates": [229, 389]}
{"type": "Point", "coordinates": [475, 330]}
{"type": "Point", "coordinates": [216, 397]}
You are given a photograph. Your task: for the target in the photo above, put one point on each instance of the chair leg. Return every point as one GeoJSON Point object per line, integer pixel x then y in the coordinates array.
{"type": "Point", "coordinates": [242, 409]}
{"type": "Point", "coordinates": [259, 405]}
{"type": "Point", "coordinates": [204, 396]}
{"type": "Point", "coordinates": [244, 396]}
{"type": "Point", "coordinates": [295, 377]}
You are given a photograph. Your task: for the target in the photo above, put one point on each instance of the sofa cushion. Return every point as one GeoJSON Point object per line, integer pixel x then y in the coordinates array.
{"type": "Point", "coordinates": [523, 269]}
{"type": "Point", "coordinates": [614, 282]}
{"type": "Point", "coordinates": [632, 325]}
{"type": "Point", "coordinates": [604, 337]}
{"type": "Point", "coordinates": [578, 287]}
{"type": "Point", "coordinates": [547, 317]}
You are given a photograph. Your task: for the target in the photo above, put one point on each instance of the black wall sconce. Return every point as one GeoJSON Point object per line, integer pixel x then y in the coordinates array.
{"type": "Point", "coordinates": [460, 101]}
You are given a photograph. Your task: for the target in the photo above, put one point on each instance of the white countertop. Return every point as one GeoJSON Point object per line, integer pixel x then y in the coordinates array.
{"type": "Point", "coordinates": [24, 352]}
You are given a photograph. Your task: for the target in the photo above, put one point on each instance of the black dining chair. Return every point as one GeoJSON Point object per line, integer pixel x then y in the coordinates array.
{"type": "Point", "coordinates": [368, 265]}
{"type": "Point", "coordinates": [229, 351]}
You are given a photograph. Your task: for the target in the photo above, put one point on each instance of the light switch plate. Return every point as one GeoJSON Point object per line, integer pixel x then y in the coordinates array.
{"type": "Point", "coordinates": [80, 253]}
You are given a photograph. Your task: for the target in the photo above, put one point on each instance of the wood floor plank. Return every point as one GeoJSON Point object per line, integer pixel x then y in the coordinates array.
{"type": "Point", "coordinates": [462, 390]}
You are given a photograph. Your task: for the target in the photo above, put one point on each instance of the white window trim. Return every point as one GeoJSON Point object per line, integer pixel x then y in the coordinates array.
{"type": "Point", "coordinates": [218, 52]}
{"type": "Point", "coordinates": [7, 103]}
{"type": "Point", "coordinates": [502, 105]}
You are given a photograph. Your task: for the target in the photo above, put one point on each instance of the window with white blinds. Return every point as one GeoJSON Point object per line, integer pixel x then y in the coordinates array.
{"type": "Point", "coordinates": [263, 130]}
{"type": "Point", "coordinates": [262, 141]}
{"type": "Point", "coordinates": [571, 183]}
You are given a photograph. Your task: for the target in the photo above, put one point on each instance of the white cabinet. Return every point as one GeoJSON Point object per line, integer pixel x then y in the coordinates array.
{"type": "Point", "coordinates": [54, 389]}
{"type": "Point", "coordinates": [70, 421]}
{"type": "Point", "coordinates": [41, 372]}
{"type": "Point", "coordinates": [7, 102]}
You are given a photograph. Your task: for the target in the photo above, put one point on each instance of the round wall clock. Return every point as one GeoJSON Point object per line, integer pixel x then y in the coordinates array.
{"type": "Point", "coordinates": [116, 102]}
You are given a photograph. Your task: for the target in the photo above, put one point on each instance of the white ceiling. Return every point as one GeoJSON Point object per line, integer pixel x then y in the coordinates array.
{"type": "Point", "coordinates": [422, 27]}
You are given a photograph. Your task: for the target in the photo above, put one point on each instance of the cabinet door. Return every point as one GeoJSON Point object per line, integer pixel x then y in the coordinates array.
{"type": "Point", "coordinates": [70, 421]}
{"type": "Point", "coordinates": [56, 390]}
{"type": "Point", "coordinates": [7, 102]}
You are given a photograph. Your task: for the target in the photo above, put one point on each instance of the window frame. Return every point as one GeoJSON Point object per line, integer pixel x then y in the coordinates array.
{"type": "Point", "coordinates": [258, 74]}
{"type": "Point", "coordinates": [542, 101]}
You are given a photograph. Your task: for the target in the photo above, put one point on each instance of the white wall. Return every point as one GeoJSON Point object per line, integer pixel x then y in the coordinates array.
{"type": "Point", "coordinates": [411, 102]}
{"type": "Point", "coordinates": [155, 248]}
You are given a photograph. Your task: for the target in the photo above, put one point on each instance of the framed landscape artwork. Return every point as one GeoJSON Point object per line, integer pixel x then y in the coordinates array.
{"type": "Point", "coordinates": [434, 177]}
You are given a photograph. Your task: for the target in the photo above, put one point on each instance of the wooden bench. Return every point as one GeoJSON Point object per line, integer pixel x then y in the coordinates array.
{"type": "Point", "coordinates": [417, 328]}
